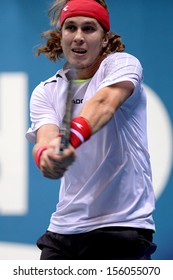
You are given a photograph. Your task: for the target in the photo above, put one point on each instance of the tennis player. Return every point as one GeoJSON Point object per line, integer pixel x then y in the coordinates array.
{"type": "Point", "coordinates": [106, 200]}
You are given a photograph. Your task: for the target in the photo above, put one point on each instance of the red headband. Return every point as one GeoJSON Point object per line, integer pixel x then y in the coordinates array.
{"type": "Point", "coordinates": [88, 8]}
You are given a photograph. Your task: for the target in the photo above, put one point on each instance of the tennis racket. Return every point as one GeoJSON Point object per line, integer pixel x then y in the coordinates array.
{"type": "Point", "coordinates": [66, 123]}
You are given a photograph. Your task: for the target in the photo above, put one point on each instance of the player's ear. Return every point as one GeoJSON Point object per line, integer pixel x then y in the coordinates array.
{"type": "Point", "coordinates": [105, 40]}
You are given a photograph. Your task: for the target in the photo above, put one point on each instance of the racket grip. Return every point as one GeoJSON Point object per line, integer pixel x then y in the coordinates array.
{"type": "Point", "coordinates": [64, 143]}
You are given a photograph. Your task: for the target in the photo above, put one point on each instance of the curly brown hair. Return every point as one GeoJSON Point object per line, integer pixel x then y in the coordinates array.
{"type": "Point", "coordinates": [52, 48]}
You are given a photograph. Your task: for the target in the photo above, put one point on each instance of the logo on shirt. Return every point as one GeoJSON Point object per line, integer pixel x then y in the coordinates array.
{"type": "Point", "coordinates": [78, 101]}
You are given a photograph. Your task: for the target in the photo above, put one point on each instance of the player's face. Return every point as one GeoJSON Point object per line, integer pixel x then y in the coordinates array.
{"type": "Point", "coordinates": [82, 41]}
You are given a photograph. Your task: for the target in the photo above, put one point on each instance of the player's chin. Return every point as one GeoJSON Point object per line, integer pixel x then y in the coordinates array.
{"type": "Point", "coordinates": [79, 63]}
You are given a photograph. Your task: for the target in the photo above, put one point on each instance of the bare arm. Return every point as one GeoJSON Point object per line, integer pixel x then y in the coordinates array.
{"type": "Point", "coordinates": [100, 109]}
{"type": "Point", "coordinates": [44, 135]}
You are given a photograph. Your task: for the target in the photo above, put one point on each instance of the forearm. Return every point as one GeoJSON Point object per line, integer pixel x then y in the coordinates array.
{"type": "Point", "coordinates": [97, 114]}
{"type": "Point", "coordinates": [100, 109]}
{"type": "Point", "coordinates": [44, 136]}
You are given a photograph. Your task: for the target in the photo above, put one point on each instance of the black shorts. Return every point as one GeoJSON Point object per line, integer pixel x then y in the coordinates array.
{"type": "Point", "coordinates": [109, 243]}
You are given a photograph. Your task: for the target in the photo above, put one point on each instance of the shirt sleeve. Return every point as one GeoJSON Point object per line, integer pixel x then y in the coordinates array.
{"type": "Point", "coordinates": [41, 111]}
{"type": "Point", "coordinates": [121, 67]}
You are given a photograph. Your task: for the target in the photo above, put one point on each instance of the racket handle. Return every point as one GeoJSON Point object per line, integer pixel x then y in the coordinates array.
{"type": "Point", "coordinates": [64, 141]}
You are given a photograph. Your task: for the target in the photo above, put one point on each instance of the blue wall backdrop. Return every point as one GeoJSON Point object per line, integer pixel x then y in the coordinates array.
{"type": "Point", "coordinates": [146, 28]}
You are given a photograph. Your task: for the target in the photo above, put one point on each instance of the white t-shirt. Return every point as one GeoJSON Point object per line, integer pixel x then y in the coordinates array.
{"type": "Point", "coordinates": [110, 183]}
